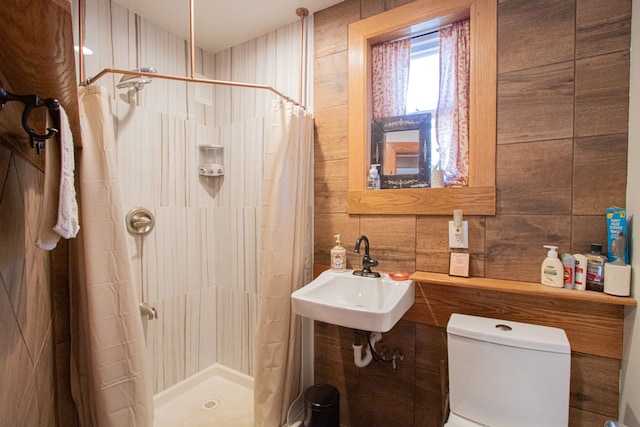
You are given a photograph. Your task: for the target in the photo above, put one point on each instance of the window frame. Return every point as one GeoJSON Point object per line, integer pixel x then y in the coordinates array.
{"type": "Point", "coordinates": [479, 198]}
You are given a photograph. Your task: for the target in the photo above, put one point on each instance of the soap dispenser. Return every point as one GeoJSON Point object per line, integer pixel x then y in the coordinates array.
{"type": "Point", "coordinates": [338, 256]}
{"type": "Point", "coordinates": [373, 181]}
{"type": "Point", "coordinates": [552, 273]}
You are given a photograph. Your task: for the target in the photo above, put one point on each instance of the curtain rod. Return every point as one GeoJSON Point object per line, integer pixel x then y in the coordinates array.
{"type": "Point", "coordinates": [91, 80]}
{"type": "Point", "coordinates": [106, 71]}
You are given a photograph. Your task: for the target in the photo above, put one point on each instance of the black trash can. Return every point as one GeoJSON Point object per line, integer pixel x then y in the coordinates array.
{"type": "Point", "coordinates": [322, 406]}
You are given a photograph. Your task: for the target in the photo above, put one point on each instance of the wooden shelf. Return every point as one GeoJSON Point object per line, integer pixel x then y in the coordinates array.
{"type": "Point", "coordinates": [515, 287]}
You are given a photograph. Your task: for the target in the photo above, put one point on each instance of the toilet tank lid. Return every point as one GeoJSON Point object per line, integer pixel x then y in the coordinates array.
{"type": "Point", "coordinates": [514, 334]}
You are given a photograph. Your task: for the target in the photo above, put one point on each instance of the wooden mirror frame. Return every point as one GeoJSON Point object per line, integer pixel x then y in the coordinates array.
{"type": "Point", "coordinates": [479, 198]}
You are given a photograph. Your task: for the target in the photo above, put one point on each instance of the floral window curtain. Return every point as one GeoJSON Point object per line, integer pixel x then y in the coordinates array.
{"type": "Point", "coordinates": [390, 77]}
{"type": "Point", "coordinates": [452, 115]}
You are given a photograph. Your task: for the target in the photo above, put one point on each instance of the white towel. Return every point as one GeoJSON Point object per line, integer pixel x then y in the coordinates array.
{"type": "Point", "coordinates": [59, 216]}
{"type": "Point", "coordinates": [68, 224]}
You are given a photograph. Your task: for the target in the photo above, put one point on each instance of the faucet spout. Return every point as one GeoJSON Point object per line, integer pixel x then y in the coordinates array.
{"type": "Point", "coordinates": [366, 245]}
{"type": "Point", "coordinates": [367, 262]}
{"type": "Point", "coordinates": [147, 310]}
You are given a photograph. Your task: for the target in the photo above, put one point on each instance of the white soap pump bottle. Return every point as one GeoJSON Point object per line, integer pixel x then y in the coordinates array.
{"type": "Point", "coordinates": [552, 273]}
{"type": "Point", "coordinates": [373, 181]}
{"type": "Point", "coordinates": [338, 257]}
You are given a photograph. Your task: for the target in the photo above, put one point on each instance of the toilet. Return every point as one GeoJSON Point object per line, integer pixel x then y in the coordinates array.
{"type": "Point", "coordinates": [506, 374]}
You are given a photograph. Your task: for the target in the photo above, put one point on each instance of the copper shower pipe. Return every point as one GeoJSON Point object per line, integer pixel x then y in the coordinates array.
{"type": "Point", "coordinates": [300, 11]}
{"type": "Point", "coordinates": [192, 39]}
{"type": "Point", "coordinates": [81, 39]}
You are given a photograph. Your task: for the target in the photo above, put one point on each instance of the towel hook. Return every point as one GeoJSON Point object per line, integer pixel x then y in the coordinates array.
{"type": "Point", "coordinates": [30, 102]}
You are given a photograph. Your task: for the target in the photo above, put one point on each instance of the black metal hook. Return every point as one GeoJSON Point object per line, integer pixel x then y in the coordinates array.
{"type": "Point", "coordinates": [30, 102]}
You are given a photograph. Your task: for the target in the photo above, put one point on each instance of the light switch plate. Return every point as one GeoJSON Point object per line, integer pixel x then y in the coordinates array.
{"type": "Point", "coordinates": [459, 241]}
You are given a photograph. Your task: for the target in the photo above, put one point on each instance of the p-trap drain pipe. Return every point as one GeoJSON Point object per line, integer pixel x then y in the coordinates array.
{"type": "Point", "coordinates": [360, 361]}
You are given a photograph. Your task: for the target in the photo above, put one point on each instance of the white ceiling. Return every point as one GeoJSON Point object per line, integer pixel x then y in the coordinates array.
{"type": "Point", "coordinates": [220, 24]}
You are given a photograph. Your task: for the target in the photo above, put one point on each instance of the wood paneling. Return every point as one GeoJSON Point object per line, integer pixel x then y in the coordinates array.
{"type": "Point", "coordinates": [330, 27]}
{"type": "Point", "coordinates": [392, 243]}
{"type": "Point", "coordinates": [580, 418]}
{"type": "Point", "coordinates": [542, 188]}
{"type": "Point", "coordinates": [378, 406]}
{"type": "Point", "coordinates": [5, 159]}
{"type": "Point", "coordinates": [532, 34]}
{"type": "Point", "coordinates": [13, 135]}
{"type": "Point", "coordinates": [37, 59]}
{"type": "Point", "coordinates": [66, 409]}
{"type": "Point", "coordinates": [592, 328]}
{"type": "Point", "coordinates": [331, 129]}
{"type": "Point", "coordinates": [602, 95]}
{"type": "Point", "coordinates": [432, 244]}
{"type": "Point", "coordinates": [330, 80]}
{"type": "Point", "coordinates": [536, 103]}
{"type": "Point", "coordinates": [600, 153]}
{"type": "Point", "coordinates": [586, 230]}
{"type": "Point", "coordinates": [421, 201]}
{"type": "Point", "coordinates": [330, 186]}
{"type": "Point", "coordinates": [594, 384]}
{"type": "Point", "coordinates": [328, 225]}
{"type": "Point", "coordinates": [373, 7]}
{"type": "Point", "coordinates": [514, 244]}
{"type": "Point", "coordinates": [602, 27]}
{"type": "Point", "coordinates": [431, 345]}
{"type": "Point", "coordinates": [29, 336]}
{"type": "Point", "coordinates": [429, 398]}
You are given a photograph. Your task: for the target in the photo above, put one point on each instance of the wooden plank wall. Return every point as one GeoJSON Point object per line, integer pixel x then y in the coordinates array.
{"type": "Point", "coordinates": [563, 83]}
{"type": "Point", "coordinates": [36, 58]}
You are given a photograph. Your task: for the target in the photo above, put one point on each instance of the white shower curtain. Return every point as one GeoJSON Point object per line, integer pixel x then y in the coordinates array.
{"type": "Point", "coordinates": [285, 259]}
{"type": "Point", "coordinates": [108, 361]}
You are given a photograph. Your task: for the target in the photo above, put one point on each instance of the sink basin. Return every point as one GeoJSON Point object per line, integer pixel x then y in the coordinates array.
{"type": "Point", "coordinates": [365, 303]}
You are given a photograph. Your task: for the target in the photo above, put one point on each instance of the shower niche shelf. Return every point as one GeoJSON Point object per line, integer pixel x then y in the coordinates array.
{"type": "Point", "coordinates": [211, 160]}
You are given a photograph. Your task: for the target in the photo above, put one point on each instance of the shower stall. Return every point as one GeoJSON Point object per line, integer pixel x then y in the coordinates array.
{"type": "Point", "coordinates": [198, 267]}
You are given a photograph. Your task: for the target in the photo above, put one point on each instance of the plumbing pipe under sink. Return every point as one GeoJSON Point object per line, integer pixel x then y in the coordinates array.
{"type": "Point", "coordinates": [360, 361]}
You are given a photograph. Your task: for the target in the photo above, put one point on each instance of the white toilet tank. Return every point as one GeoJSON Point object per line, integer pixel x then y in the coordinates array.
{"type": "Point", "coordinates": [506, 374]}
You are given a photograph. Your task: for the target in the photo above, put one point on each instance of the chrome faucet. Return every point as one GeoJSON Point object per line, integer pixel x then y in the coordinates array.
{"type": "Point", "coordinates": [367, 262]}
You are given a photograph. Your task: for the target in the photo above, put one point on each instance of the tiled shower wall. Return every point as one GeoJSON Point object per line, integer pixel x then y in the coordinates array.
{"type": "Point", "coordinates": [199, 265]}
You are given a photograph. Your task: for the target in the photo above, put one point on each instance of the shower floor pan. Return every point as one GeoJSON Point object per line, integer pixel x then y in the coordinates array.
{"type": "Point", "coordinates": [217, 396]}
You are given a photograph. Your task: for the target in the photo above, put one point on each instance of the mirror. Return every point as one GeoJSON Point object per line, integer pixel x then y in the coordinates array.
{"type": "Point", "coordinates": [401, 145]}
{"type": "Point", "coordinates": [419, 17]}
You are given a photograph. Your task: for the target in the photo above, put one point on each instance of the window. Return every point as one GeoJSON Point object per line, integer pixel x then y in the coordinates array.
{"type": "Point", "coordinates": [424, 74]}
{"type": "Point", "coordinates": [419, 17]}
{"type": "Point", "coordinates": [424, 81]}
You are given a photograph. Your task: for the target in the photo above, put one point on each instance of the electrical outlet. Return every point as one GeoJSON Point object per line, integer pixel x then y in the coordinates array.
{"type": "Point", "coordinates": [458, 236]}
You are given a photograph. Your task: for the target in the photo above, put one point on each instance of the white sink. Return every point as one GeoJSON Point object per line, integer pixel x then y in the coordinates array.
{"type": "Point", "coordinates": [365, 303]}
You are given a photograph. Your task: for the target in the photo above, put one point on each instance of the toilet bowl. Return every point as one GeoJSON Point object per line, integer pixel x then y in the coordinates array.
{"type": "Point", "coordinates": [505, 374]}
